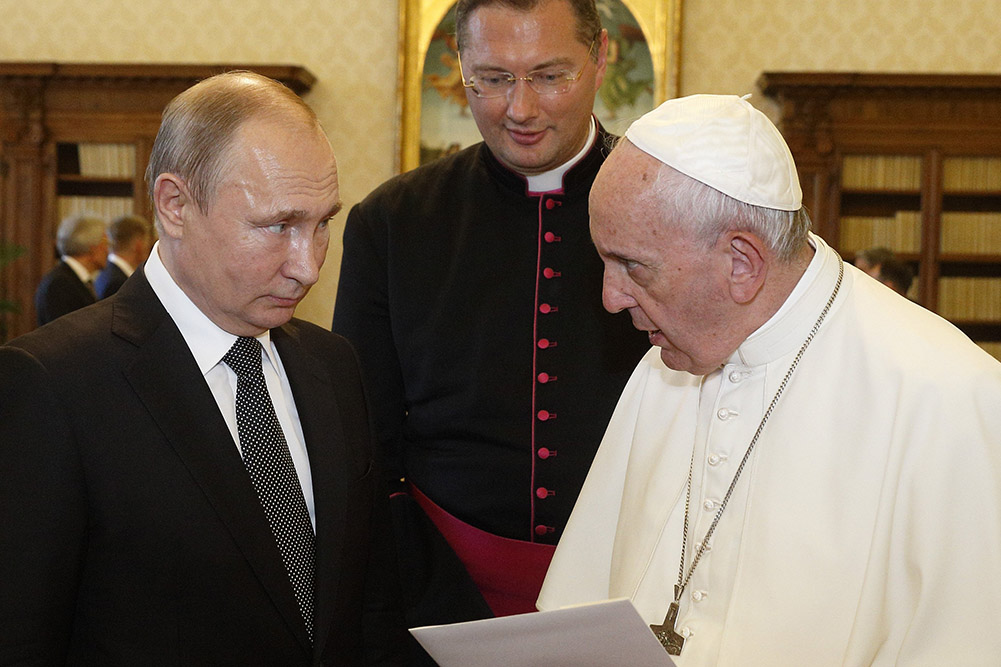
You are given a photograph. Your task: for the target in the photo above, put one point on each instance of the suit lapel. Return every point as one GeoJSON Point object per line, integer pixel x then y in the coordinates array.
{"type": "Point", "coordinates": [322, 431]}
{"type": "Point", "coordinates": [167, 380]}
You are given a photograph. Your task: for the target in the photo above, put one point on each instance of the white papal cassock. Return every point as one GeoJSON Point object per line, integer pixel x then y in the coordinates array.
{"type": "Point", "coordinates": [866, 527]}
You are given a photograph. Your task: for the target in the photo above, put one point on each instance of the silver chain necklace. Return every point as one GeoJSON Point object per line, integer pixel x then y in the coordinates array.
{"type": "Point", "coordinates": [666, 632]}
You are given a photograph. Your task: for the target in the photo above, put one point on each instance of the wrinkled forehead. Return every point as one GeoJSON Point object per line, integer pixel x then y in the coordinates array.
{"type": "Point", "coordinates": [630, 197]}
{"type": "Point", "coordinates": [628, 178]}
{"type": "Point", "coordinates": [268, 143]}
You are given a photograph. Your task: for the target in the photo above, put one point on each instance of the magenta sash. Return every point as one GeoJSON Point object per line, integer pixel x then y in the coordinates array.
{"type": "Point", "coordinates": [509, 573]}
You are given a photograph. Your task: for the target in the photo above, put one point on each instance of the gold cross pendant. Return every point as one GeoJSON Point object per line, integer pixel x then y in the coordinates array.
{"type": "Point", "coordinates": [669, 639]}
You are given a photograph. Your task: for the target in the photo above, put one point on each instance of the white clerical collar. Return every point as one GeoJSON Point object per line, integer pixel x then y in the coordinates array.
{"type": "Point", "coordinates": [552, 180]}
{"type": "Point", "coordinates": [207, 342]}
{"type": "Point", "coordinates": [126, 268]}
{"type": "Point", "coordinates": [79, 269]}
{"type": "Point", "coordinates": [789, 326]}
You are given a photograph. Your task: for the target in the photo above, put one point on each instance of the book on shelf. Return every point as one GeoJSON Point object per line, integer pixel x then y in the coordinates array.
{"type": "Point", "coordinates": [970, 299]}
{"type": "Point", "coordinates": [971, 174]}
{"type": "Point", "coordinates": [977, 233]}
{"type": "Point", "coordinates": [102, 207]}
{"type": "Point", "coordinates": [900, 232]}
{"type": "Point", "coordinates": [881, 172]}
{"type": "Point", "coordinates": [107, 160]}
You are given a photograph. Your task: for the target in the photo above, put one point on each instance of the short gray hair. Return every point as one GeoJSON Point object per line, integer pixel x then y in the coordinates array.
{"type": "Point", "coordinates": [199, 126]}
{"type": "Point", "coordinates": [710, 213]}
{"type": "Point", "coordinates": [77, 234]}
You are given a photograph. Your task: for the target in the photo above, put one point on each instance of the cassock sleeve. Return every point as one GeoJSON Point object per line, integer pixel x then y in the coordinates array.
{"type": "Point", "coordinates": [362, 315]}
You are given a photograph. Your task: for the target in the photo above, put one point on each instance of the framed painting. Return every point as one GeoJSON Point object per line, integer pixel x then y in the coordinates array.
{"type": "Point", "coordinates": [642, 71]}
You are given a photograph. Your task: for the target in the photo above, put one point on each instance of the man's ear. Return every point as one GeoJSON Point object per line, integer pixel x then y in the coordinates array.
{"type": "Point", "coordinates": [602, 57]}
{"type": "Point", "coordinates": [748, 267]}
{"type": "Point", "coordinates": [173, 204]}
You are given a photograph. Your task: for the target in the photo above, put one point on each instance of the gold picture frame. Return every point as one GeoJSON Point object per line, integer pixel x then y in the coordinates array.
{"type": "Point", "coordinates": [660, 21]}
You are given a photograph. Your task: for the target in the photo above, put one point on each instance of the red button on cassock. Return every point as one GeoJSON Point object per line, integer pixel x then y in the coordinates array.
{"type": "Point", "coordinates": [545, 308]}
{"type": "Point", "coordinates": [546, 415]}
{"type": "Point", "coordinates": [551, 238]}
{"type": "Point", "coordinates": [543, 492]}
{"type": "Point", "coordinates": [543, 343]}
{"type": "Point", "coordinates": [551, 204]}
{"type": "Point", "coordinates": [549, 273]}
{"type": "Point", "coordinates": [544, 378]}
{"type": "Point", "coordinates": [542, 530]}
{"type": "Point", "coordinates": [544, 453]}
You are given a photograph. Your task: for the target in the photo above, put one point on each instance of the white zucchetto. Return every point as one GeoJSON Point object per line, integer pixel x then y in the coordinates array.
{"type": "Point", "coordinates": [724, 142]}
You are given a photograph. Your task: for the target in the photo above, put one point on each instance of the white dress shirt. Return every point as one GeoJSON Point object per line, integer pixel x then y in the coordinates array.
{"type": "Point", "coordinates": [552, 180]}
{"type": "Point", "coordinates": [208, 344]}
{"type": "Point", "coordinates": [126, 268]}
{"type": "Point", "coordinates": [85, 276]}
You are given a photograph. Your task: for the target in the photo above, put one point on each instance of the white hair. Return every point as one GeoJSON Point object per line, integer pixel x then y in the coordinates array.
{"type": "Point", "coordinates": [710, 213]}
{"type": "Point", "coordinates": [77, 234]}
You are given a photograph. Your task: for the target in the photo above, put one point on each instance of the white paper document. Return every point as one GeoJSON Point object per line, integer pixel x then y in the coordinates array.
{"type": "Point", "coordinates": [603, 634]}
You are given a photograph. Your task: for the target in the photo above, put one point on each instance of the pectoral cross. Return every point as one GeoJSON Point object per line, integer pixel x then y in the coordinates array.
{"type": "Point", "coordinates": [669, 639]}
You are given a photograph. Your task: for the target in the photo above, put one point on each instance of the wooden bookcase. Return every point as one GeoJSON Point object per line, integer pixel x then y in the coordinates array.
{"type": "Point", "coordinates": [98, 178]}
{"type": "Point", "coordinates": [908, 161]}
{"type": "Point", "coordinates": [77, 137]}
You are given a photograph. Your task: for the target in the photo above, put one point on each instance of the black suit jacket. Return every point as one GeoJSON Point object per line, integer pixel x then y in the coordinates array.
{"type": "Point", "coordinates": [109, 281]}
{"type": "Point", "coordinates": [60, 291]}
{"type": "Point", "coordinates": [131, 533]}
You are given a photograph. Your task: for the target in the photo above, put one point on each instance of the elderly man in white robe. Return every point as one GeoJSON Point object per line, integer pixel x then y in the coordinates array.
{"type": "Point", "coordinates": [805, 469]}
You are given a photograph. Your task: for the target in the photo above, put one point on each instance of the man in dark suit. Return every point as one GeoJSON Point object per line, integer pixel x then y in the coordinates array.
{"type": "Point", "coordinates": [150, 513]}
{"type": "Point", "coordinates": [83, 248]}
{"type": "Point", "coordinates": [131, 238]}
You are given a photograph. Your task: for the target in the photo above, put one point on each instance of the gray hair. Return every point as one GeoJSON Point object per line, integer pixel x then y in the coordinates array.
{"type": "Point", "coordinates": [199, 126]}
{"type": "Point", "coordinates": [77, 234]}
{"type": "Point", "coordinates": [588, 22]}
{"type": "Point", "coordinates": [710, 213]}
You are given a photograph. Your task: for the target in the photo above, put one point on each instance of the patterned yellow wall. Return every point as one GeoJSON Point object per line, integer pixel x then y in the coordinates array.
{"type": "Point", "coordinates": [351, 46]}
{"type": "Point", "coordinates": [726, 44]}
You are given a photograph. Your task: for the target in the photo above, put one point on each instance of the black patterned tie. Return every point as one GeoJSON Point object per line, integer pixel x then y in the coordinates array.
{"type": "Point", "coordinates": [267, 458]}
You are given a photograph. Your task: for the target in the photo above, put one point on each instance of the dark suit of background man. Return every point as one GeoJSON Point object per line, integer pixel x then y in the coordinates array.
{"type": "Point", "coordinates": [132, 533]}
{"type": "Point", "coordinates": [472, 292]}
{"type": "Point", "coordinates": [83, 248]}
{"type": "Point", "coordinates": [131, 238]}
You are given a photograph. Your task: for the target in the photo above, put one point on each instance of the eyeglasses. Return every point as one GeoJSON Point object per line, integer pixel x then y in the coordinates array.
{"type": "Point", "coordinates": [546, 81]}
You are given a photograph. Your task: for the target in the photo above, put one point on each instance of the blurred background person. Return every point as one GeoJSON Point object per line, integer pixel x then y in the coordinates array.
{"type": "Point", "coordinates": [82, 244]}
{"type": "Point", "coordinates": [896, 274]}
{"type": "Point", "coordinates": [883, 264]}
{"type": "Point", "coordinates": [130, 238]}
{"type": "Point", "coordinates": [870, 259]}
